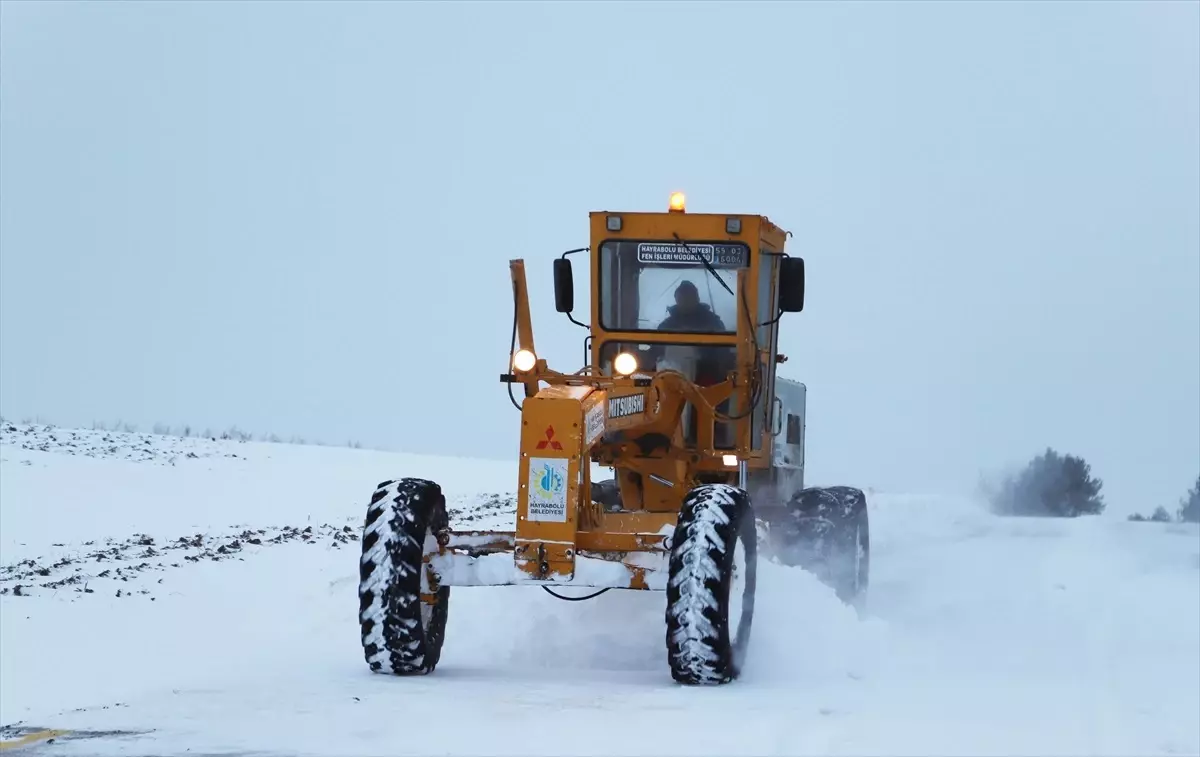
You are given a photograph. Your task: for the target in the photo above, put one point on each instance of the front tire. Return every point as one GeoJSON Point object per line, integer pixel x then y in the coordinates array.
{"type": "Point", "coordinates": [710, 589]}
{"type": "Point", "coordinates": [401, 634]}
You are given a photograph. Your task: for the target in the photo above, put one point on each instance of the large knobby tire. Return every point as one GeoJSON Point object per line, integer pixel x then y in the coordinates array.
{"type": "Point", "coordinates": [401, 635]}
{"type": "Point", "coordinates": [827, 533]}
{"type": "Point", "coordinates": [710, 588]}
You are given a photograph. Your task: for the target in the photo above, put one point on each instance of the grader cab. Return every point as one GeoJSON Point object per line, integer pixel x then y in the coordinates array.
{"type": "Point", "coordinates": [680, 398]}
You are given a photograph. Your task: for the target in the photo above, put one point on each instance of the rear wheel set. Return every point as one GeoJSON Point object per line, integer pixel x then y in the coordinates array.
{"type": "Point", "coordinates": [825, 530]}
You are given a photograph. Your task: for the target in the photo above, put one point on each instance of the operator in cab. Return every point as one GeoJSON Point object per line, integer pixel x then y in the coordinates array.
{"type": "Point", "coordinates": [690, 314]}
{"type": "Point", "coordinates": [704, 365]}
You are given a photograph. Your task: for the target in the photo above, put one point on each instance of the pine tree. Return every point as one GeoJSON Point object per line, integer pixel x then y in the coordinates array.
{"type": "Point", "coordinates": [1051, 485]}
{"type": "Point", "coordinates": [1189, 506]}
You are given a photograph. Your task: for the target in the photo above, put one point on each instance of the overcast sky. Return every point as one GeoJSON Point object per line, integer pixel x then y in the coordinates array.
{"type": "Point", "coordinates": [297, 217]}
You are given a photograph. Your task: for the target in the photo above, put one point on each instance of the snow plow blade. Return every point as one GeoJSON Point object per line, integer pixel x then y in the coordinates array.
{"type": "Point", "coordinates": [494, 558]}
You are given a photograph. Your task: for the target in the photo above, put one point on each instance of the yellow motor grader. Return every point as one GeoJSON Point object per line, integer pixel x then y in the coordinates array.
{"type": "Point", "coordinates": [680, 398]}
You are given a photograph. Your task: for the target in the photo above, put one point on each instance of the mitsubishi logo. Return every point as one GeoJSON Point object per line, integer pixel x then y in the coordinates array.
{"type": "Point", "coordinates": [549, 440]}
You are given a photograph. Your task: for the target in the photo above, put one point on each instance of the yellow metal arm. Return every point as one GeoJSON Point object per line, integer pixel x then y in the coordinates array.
{"type": "Point", "coordinates": [524, 322]}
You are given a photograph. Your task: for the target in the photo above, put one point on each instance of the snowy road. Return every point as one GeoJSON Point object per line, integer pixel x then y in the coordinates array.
{"type": "Point", "coordinates": [984, 636]}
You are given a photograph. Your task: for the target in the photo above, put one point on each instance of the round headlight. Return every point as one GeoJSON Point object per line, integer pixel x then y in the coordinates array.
{"type": "Point", "coordinates": [524, 360]}
{"type": "Point", "coordinates": [625, 363]}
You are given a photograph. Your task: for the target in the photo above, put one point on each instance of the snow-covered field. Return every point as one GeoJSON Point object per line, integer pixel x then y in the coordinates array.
{"type": "Point", "coordinates": [168, 596]}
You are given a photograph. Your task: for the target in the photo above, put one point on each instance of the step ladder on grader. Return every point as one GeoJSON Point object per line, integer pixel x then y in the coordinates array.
{"type": "Point", "coordinates": [681, 399]}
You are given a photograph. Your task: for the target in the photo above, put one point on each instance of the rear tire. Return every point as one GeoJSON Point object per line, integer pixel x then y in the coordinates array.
{"type": "Point", "coordinates": [826, 531]}
{"type": "Point", "coordinates": [710, 589]}
{"type": "Point", "coordinates": [401, 635]}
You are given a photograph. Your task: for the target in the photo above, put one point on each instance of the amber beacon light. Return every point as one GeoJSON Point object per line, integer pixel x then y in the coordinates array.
{"type": "Point", "coordinates": [677, 202]}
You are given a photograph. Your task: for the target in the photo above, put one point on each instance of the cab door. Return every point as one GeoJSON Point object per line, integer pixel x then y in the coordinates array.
{"type": "Point", "coordinates": [765, 418]}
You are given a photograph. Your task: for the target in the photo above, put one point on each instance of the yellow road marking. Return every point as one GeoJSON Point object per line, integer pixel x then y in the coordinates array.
{"type": "Point", "coordinates": [30, 738]}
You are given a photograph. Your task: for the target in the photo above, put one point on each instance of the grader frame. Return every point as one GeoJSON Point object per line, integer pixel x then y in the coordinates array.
{"type": "Point", "coordinates": [701, 434]}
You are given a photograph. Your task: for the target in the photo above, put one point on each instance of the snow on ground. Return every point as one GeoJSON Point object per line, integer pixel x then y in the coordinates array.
{"type": "Point", "coordinates": [982, 636]}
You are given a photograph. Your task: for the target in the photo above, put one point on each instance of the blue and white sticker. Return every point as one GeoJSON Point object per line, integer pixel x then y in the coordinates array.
{"type": "Point", "coordinates": [548, 489]}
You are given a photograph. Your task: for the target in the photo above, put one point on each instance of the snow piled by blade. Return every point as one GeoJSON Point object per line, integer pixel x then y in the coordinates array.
{"type": "Point", "coordinates": [982, 635]}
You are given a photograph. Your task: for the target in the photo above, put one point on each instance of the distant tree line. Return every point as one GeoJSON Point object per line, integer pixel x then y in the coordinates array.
{"type": "Point", "coordinates": [1062, 486]}
{"type": "Point", "coordinates": [1187, 512]}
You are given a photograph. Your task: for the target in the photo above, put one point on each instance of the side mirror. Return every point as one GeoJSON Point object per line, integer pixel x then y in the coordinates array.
{"type": "Point", "coordinates": [564, 286]}
{"type": "Point", "coordinates": [791, 285]}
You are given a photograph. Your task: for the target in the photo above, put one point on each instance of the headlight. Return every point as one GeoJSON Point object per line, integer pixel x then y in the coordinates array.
{"type": "Point", "coordinates": [625, 363]}
{"type": "Point", "coordinates": [524, 360]}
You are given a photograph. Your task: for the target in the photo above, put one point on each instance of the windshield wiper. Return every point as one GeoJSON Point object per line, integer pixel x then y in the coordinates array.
{"type": "Point", "coordinates": [707, 264]}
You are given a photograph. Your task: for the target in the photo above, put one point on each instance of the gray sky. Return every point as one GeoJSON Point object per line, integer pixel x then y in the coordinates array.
{"type": "Point", "coordinates": [297, 217]}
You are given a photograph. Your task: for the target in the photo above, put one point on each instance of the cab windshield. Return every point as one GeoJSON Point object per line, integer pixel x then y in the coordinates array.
{"type": "Point", "coordinates": [666, 286]}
